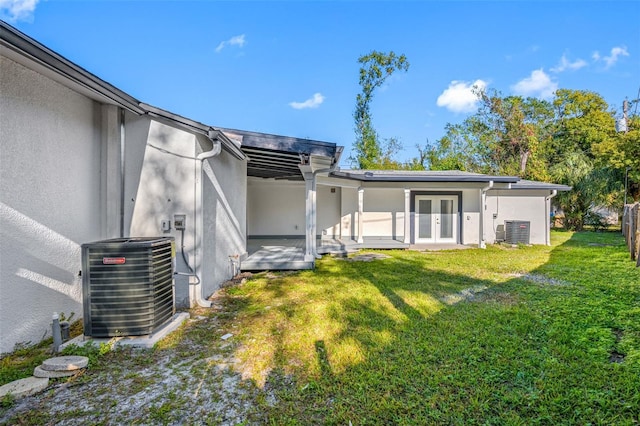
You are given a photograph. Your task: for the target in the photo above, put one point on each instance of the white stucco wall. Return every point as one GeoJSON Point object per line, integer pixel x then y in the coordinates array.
{"type": "Point", "coordinates": [162, 179]}
{"type": "Point", "coordinates": [383, 213]}
{"type": "Point", "coordinates": [525, 205]}
{"type": "Point", "coordinates": [349, 213]}
{"type": "Point", "coordinates": [275, 208]}
{"type": "Point", "coordinates": [50, 199]}
{"type": "Point", "coordinates": [224, 221]}
{"type": "Point", "coordinates": [328, 213]}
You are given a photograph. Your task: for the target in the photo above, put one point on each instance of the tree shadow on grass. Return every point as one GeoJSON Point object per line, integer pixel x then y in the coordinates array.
{"type": "Point", "coordinates": [524, 350]}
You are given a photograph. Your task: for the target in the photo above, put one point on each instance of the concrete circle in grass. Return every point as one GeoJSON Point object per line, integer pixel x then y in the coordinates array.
{"type": "Point", "coordinates": [24, 387]}
{"type": "Point", "coordinates": [65, 363]}
{"type": "Point", "coordinates": [40, 372]}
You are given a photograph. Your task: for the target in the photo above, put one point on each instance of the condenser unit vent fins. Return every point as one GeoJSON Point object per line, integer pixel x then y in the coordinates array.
{"type": "Point", "coordinates": [127, 286]}
{"type": "Point", "coordinates": [517, 231]}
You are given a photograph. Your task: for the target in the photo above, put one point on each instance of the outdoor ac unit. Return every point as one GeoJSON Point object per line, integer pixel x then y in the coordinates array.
{"type": "Point", "coordinates": [517, 231]}
{"type": "Point", "coordinates": [127, 286]}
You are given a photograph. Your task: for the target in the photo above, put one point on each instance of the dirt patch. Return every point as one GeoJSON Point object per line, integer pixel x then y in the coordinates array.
{"type": "Point", "coordinates": [540, 279]}
{"type": "Point", "coordinates": [366, 257]}
{"type": "Point", "coordinates": [237, 280]}
{"type": "Point", "coordinates": [614, 355]}
{"type": "Point", "coordinates": [195, 381]}
{"type": "Point", "coordinates": [465, 295]}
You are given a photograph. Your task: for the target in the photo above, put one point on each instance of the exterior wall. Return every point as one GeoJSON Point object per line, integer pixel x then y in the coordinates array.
{"type": "Point", "coordinates": [383, 213]}
{"type": "Point", "coordinates": [224, 219]}
{"type": "Point", "coordinates": [526, 205]}
{"type": "Point", "coordinates": [275, 208]}
{"type": "Point", "coordinates": [328, 210]}
{"type": "Point", "coordinates": [51, 199]}
{"type": "Point", "coordinates": [349, 213]}
{"type": "Point", "coordinates": [470, 216]}
{"type": "Point", "coordinates": [162, 179]}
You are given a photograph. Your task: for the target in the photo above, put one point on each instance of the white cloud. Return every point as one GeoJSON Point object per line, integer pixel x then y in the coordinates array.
{"type": "Point", "coordinates": [565, 64]}
{"type": "Point", "coordinates": [312, 102]}
{"type": "Point", "coordinates": [460, 96]}
{"type": "Point", "coordinates": [539, 84]}
{"type": "Point", "coordinates": [616, 52]}
{"type": "Point", "coordinates": [233, 41]}
{"type": "Point", "coordinates": [17, 10]}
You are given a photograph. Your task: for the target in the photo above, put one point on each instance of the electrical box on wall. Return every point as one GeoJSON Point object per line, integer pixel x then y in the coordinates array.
{"type": "Point", "coordinates": [179, 222]}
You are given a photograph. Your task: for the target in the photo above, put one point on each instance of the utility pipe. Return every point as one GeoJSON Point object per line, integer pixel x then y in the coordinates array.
{"type": "Point", "coordinates": [547, 205]}
{"type": "Point", "coordinates": [199, 218]}
{"type": "Point", "coordinates": [483, 206]}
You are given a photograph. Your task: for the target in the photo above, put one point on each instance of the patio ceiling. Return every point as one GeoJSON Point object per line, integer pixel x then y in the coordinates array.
{"type": "Point", "coordinates": [279, 157]}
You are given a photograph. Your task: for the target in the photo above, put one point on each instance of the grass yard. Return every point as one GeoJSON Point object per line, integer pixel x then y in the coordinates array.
{"type": "Point", "coordinates": [527, 335]}
{"type": "Point", "coordinates": [507, 335]}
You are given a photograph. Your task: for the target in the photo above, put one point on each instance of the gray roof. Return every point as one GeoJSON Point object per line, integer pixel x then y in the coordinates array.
{"type": "Point", "coordinates": [420, 176]}
{"type": "Point", "coordinates": [279, 157]}
{"type": "Point", "coordinates": [532, 184]}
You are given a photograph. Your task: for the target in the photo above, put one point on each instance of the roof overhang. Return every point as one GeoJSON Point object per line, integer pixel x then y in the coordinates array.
{"type": "Point", "coordinates": [281, 157]}
{"type": "Point", "coordinates": [26, 51]}
{"type": "Point", "coordinates": [420, 176]}
{"type": "Point", "coordinates": [212, 133]}
{"type": "Point", "coordinates": [530, 184]}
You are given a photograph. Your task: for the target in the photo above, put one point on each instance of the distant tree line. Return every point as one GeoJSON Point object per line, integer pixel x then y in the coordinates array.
{"type": "Point", "coordinates": [571, 139]}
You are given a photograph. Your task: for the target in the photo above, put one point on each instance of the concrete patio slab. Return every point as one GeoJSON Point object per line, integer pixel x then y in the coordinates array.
{"type": "Point", "coordinates": [147, 341]}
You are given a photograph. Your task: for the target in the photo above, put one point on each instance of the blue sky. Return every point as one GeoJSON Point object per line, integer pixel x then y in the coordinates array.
{"type": "Point", "coordinates": [290, 68]}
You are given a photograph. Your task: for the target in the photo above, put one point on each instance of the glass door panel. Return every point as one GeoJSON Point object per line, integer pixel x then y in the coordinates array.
{"type": "Point", "coordinates": [425, 220]}
{"type": "Point", "coordinates": [447, 219]}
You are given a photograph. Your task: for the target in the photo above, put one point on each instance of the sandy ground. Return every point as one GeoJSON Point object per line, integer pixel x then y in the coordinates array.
{"type": "Point", "coordinates": [194, 382]}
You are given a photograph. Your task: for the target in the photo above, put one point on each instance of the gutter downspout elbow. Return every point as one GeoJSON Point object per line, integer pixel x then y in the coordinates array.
{"type": "Point", "coordinates": [483, 206]}
{"type": "Point", "coordinates": [215, 150]}
{"type": "Point", "coordinates": [547, 206]}
{"type": "Point", "coordinates": [199, 213]}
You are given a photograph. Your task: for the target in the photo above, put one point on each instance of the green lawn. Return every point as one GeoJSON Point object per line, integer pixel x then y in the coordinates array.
{"type": "Point", "coordinates": [526, 335]}
{"type": "Point", "coordinates": [507, 335]}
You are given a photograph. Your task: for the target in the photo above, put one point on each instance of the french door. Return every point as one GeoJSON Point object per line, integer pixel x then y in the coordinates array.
{"type": "Point", "coordinates": [436, 219]}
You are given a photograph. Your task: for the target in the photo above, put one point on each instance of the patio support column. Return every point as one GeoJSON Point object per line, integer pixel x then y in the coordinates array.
{"type": "Point", "coordinates": [407, 216]}
{"type": "Point", "coordinates": [310, 213]}
{"type": "Point", "coordinates": [360, 218]}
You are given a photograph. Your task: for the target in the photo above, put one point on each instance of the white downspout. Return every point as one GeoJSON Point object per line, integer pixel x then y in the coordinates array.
{"type": "Point", "coordinates": [199, 218]}
{"type": "Point", "coordinates": [483, 206]}
{"type": "Point", "coordinates": [547, 205]}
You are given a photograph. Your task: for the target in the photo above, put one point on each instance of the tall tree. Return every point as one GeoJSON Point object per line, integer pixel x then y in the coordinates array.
{"type": "Point", "coordinates": [591, 187]}
{"type": "Point", "coordinates": [375, 68]}
{"type": "Point", "coordinates": [519, 127]}
{"type": "Point", "coordinates": [505, 136]}
{"type": "Point", "coordinates": [622, 152]}
{"type": "Point", "coordinates": [582, 121]}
